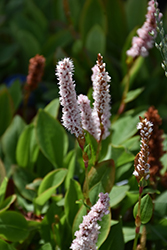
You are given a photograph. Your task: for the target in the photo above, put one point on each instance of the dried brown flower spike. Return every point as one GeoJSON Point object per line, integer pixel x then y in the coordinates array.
{"type": "Point", "coordinates": [155, 144]}
{"type": "Point", "coordinates": [35, 72]}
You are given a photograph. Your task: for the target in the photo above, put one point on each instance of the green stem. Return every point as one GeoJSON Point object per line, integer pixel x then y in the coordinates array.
{"type": "Point", "coordinates": [138, 220]}
{"type": "Point", "coordinates": [135, 241]}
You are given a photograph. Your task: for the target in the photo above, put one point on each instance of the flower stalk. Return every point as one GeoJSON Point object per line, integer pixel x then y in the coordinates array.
{"type": "Point", "coordinates": [141, 171]}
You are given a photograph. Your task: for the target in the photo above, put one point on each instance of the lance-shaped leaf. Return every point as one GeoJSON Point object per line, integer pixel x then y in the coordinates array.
{"type": "Point", "coordinates": [52, 138]}
{"type": "Point", "coordinates": [53, 107]}
{"type": "Point", "coordinates": [3, 187]}
{"type": "Point", "coordinates": [49, 184]}
{"type": "Point", "coordinates": [7, 202]}
{"type": "Point", "coordinates": [73, 194]}
{"type": "Point", "coordinates": [103, 173]}
{"type": "Point", "coordinates": [105, 224]}
{"type": "Point", "coordinates": [146, 209]}
{"type": "Point", "coordinates": [27, 148]}
{"type": "Point", "coordinates": [115, 239]}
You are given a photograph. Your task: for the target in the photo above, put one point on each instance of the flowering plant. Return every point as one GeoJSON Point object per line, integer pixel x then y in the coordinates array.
{"type": "Point", "coordinates": [79, 169]}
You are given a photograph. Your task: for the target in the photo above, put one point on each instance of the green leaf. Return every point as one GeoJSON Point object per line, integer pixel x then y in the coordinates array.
{"type": "Point", "coordinates": [53, 107]}
{"type": "Point", "coordinates": [3, 172]}
{"type": "Point", "coordinates": [160, 205]}
{"type": "Point", "coordinates": [31, 47]}
{"type": "Point", "coordinates": [129, 233]}
{"type": "Point", "coordinates": [5, 246]}
{"type": "Point", "coordinates": [105, 224]}
{"type": "Point", "coordinates": [36, 14]}
{"type": "Point", "coordinates": [7, 53]}
{"type": "Point", "coordinates": [133, 94]}
{"type": "Point", "coordinates": [48, 185]}
{"type": "Point", "coordinates": [46, 246]}
{"type": "Point", "coordinates": [6, 107]}
{"type": "Point", "coordinates": [52, 138]}
{"type": "Point", "coordinates": [23, 177]}
{"type": "Point", "coordinates": [41, 164]}
{"type": "Point", "coordinates": [117, 194]}
{"type": "Point", "coordinates": [129, 201]}
{"type": "Point", "coordinates": [115, 239]}
{"type": "Point", "coordinates": [124, 128]}
{"type": "Point", "coordinates": [75, 10]}
{"type": "Point", "coordinates": [13, 226]}
{"type": "Point", "coordinates": [124, 171]}
{"type": "Point", "coordinates": [103, 173]}
{"type": "Point", "coordinates": [69, 163]}
{"type": "Point", "coordinates": [92, 14]}
{"type": "Point", "coordinates": [117, 31]}
{"type": "Point", "coordinates": [146, 209]}
{"type": "Point", "coordinates": [92, 148]}
{"type": "Point", "coordinates": [7, 202]}
{"type": "Point", "coordinates": [78, 218]}
{"type": "Point", "coordinates": [73, 194]}
{"type": "Point", "coordinates": [52, 217]}
{"type": "Point", "coordinates": [65, 233]}
{"type": "Point", "coordinates": [132, 143]}
{"type": "Point", "coordinates": [133, 8]}
{"type": "Point", "coordinates": [157, 231]}
{"type": "Point", "coordinates": [27, 148]}
{"type": "Point", "coordinates": [130, 77]}
{"type": "Point", "coordinates": [11, 137]}
{"type": "Point", "coordinates": [3, 187]}
{"type": "Point", "coordinates": [94, 192]}
{"type": "Point", "coordinates": [60, 39]}
{"type": "Point", "coordinates": [95, 34]}
{"type": "Point", "coordinates": [164, 163]}
{"type": "Point", "coordinates": [119, 154]}
{"type": "Point", "coordinates": [16, 93]}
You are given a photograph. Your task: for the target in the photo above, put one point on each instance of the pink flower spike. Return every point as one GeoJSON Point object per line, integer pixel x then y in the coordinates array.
{"type": "Point", "coordinates": [86, 237]}
{"type": "Point", "coordinates": [90, 120]}
{"type": "Point", "coordinates": [146, 34]}
{"type": "Point", "coordinates": [71, 117]}
{"type": "Point", "coordinates": [101, 95]}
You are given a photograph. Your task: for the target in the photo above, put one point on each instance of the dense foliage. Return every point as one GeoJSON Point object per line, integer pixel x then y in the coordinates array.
{"type": "Point", "coordinates": [42, 170]}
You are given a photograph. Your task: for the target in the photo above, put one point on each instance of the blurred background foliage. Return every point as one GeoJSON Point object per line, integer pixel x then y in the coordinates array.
{"type": "Point", "coordinates": [80, 29]}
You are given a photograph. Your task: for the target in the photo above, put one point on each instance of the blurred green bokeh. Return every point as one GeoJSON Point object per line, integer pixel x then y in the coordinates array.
{"type": "Point", "coordinates": [80, 29]}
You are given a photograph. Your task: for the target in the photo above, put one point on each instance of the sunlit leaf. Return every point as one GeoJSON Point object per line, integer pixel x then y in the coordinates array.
{"type": "Point", "coordinates": [117, 194]}
{"type": "Point", "coordinates": [7, 202]}
{"type": "Point", "coordinates": [27, 148]}
{"type": "Point", "coordinates": [49, 184]}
